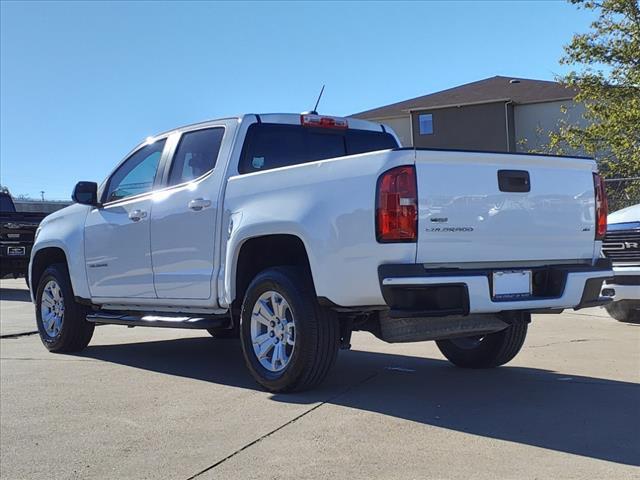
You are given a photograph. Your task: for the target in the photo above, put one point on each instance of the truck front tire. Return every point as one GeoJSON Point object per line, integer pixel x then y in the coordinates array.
{"type": "Point", "coordinates": [485, 351]}
{"type": "Point", "coordinates": [62, 322]}
{"type": "Point", "coordinates": [624, 311]}
{"type": "Point", "coordinates": [289, 342]}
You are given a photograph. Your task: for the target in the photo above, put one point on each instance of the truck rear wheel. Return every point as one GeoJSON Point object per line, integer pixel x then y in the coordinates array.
{"type": "Point", "coordinates": [624, 311]}
{"type": "Point", "coordinates": [289, 342]}
{"type": "Point", "coordinates": [485, 351]}
{"type": "Point", "coordinates": [62, 322]}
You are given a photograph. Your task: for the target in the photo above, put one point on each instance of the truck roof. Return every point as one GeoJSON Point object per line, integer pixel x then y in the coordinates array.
{"type": "Point", "coordinates": [285, 118]}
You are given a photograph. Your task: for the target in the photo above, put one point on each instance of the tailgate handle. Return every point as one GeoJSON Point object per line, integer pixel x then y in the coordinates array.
{"type": "Point", "coordinates": [514, 181]}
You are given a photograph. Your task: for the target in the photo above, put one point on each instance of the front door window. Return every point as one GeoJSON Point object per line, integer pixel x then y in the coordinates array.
{"type": "Point", "coordinates": [137, 174]}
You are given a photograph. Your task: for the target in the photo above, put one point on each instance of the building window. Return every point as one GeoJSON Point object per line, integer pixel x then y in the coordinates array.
{"type": "Point", "coordinates": [426, 124]}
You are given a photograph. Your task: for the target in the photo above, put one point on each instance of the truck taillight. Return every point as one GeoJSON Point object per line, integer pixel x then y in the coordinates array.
{"type": "Point", "coordinates": [601, 206]}
{"type": "Point", "coordinates": [311, 120]}
{"type": "Point", "coordinates": [397, 206]}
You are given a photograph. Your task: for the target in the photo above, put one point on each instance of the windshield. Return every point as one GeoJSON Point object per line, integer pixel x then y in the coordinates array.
{"type": "Point", "coordinates": [6, 204]}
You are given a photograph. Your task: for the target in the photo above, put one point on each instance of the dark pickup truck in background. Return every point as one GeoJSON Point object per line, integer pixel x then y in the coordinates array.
{"type": "Point", "coordinates": [17, 234]}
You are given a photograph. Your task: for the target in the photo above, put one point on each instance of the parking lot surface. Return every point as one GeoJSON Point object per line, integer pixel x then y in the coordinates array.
{"type": "Point", "coordinates": [150, 403]}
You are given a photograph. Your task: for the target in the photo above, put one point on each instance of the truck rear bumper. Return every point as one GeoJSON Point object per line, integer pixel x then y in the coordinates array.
{"type": "Point", "coordinates": [413, 291]}
{"type": "Point", "coordinates": [624, 292]}
{"type": "Point", "coordinates": [625, 284]}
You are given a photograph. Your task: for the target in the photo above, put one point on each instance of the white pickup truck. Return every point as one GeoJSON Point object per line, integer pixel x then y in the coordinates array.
{"type": "Point", "coordinates": [292, 231]}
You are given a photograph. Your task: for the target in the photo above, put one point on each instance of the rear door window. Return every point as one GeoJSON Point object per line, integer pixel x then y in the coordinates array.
{"type": "Point", "coordinates": [277, 145]}
{"type": "Point", "coordinates": [196, 155]}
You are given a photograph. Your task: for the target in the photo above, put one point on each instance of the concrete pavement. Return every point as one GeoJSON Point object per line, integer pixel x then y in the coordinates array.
{"type": "Point", "coordinates": [16, 309]}
{"type": "Point", "coordinates": [147, 403]}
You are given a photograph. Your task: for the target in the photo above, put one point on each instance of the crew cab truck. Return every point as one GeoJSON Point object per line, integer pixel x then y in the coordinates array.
{"type": "Point", "coordinates": [291, 231]}
{"type": "Point", "coordinates": [17, 230]}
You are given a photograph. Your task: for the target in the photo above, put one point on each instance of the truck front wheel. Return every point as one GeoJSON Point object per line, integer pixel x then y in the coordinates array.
{"type": "Point", "coordinates": [485, 351]}
{"type": "Point", "coordinates": [289, 342]}
{"type": "Point", "coordinates": [624, 311]}
{"type": "Point", "coordinates": [62, 322]}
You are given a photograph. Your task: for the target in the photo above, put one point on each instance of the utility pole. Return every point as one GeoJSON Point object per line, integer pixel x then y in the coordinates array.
{"type": "Point", "coordinates": [42, 195]}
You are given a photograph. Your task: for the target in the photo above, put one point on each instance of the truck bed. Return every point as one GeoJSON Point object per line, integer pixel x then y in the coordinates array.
{"type": "Point", "coordinates": [465, 220]}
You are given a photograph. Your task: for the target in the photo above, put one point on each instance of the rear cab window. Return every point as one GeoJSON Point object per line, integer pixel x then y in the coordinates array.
{"type": "Point", "coordinates": [272, 145]}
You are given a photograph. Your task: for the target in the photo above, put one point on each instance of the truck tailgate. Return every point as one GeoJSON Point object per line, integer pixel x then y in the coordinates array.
{"type": "Point", "coordinates": [475, 207]}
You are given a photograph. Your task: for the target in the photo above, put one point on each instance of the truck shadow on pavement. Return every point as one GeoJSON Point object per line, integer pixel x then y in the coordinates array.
{"type": "Point", "coordinates": [586, 416]}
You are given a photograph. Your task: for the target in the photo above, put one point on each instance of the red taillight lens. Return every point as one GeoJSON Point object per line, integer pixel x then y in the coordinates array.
{"type": "Point", "coordinates": [397, 206]}
{"type": "Point", "coordinates": [602, 208]}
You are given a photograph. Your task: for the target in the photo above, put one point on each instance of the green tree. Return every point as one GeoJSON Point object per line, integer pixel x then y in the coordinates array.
{"type": "Point", "coordinates": [605, 73]}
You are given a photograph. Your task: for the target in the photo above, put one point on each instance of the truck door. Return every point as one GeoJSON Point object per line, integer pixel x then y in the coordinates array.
{"type": "Point", "coordinates": [183, 220]}
{"type": "Point", "coordinates": [117, 246]}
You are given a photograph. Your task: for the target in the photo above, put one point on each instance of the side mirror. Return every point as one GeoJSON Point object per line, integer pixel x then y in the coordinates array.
{"type": "Point", "coordinates": [86, 193]}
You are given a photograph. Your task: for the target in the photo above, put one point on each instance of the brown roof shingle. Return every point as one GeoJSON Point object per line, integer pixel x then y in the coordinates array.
{"type": "Point", "coordinates": [483, 91]}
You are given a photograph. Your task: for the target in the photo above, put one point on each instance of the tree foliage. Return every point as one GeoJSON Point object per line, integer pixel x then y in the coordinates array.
{"type": "Point", "coordinates": [605, 73]}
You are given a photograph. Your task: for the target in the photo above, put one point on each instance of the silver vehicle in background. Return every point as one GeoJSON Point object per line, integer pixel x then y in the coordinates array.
{"type": "Point", "coordinates": [622, 246]}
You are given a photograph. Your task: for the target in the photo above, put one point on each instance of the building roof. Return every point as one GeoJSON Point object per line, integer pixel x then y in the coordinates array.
{"type": "Point", "coordinates": [493, 89]}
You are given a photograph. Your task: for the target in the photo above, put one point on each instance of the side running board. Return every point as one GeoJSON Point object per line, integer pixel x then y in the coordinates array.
{"type": "Point", "coordinates": [155, 320]}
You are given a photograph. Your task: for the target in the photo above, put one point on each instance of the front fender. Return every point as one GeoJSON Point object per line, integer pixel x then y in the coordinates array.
{"type": "Point", "coordinates": [65, 230]}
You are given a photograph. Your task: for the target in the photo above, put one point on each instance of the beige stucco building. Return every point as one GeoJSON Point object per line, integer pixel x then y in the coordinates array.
{"type": "Point", "coordinates": [495, 114]}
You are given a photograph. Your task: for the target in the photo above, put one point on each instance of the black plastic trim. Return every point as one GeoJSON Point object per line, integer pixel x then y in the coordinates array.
{"type": "Point", "coordinates": [591, 294]}
{"type": "Point", "coordinates": [581, 157]}
{"type": "Point", "coordinates": [399, 313]}
{"type": "Point", "coordinates": [325, 302]}
{"type": "Point", "coordinates": [625, 280]}
{"type": "Point", "coordinates": [391, 270]}
{"type": "Point", "coordinates": [83, 301]}
{"type": "Point", "coordinates": [514, 181]}
{"type": "Point", "coordinates": [403, 305]}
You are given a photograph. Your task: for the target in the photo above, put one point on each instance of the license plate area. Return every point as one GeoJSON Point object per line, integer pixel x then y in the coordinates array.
{"type": "Point", "coordinates": [15, 251]}
{"type": "Point", "coordinates": [511, 284]}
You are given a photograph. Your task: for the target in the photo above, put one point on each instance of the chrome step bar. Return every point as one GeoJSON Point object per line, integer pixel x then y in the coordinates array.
{"type": "Point", "coordinates": [162, 321]}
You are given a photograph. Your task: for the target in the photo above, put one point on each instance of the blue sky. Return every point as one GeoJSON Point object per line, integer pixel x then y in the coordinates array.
{"type": "Point", "coordinates": [82, 83]}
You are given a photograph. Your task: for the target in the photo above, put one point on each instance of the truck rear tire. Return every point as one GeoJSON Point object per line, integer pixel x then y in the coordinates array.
{"type": "Point", "coordinates": [485, 351]}
{"type": "Point", "coordinates": [62, 322]}
{"type": "Point", "coordinates": [289, 342]}
{"type": "Point", "coordinates": [624, 311]}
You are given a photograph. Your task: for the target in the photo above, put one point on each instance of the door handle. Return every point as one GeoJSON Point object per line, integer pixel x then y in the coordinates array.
{"type": "Point", "coordinates": [137, 215]}
{"type": "Point", "coordinates": [514, 181]}
{"type": "Point", "coordinates": [198, 204]}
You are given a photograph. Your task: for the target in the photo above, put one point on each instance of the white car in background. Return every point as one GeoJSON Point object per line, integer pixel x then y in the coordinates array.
{"type": "Point", "coordinates": [622, 246]}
